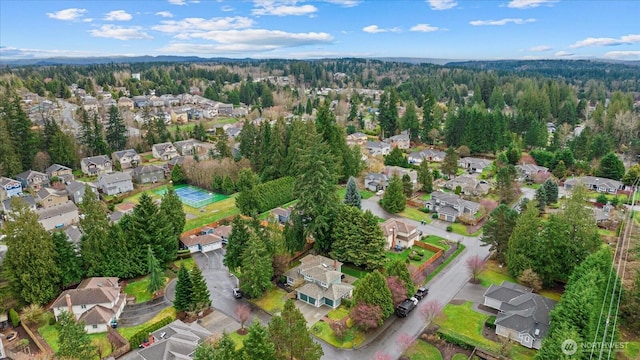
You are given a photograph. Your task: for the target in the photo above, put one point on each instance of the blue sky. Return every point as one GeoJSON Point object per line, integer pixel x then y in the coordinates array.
{"type": "Point", "coordinates": [450, 29]}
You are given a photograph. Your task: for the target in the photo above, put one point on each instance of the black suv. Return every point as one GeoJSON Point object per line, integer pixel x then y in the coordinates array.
{"type": "Point", "coordinates": [421, 293]}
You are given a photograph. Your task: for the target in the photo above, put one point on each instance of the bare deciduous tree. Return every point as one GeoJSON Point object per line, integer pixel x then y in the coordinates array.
{"type": "Point", "coordinates": [475, 265]}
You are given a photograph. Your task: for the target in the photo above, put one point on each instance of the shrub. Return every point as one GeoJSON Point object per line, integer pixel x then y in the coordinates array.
{"type": "Point", "coordinates": [434, 215]}
{"type": "Point", "coordinates": [347, 303]}
{"type": "Point", "coordinates": [455, 341]}
{"type": "Point", "coordinates": [449, 228]}
{"type": "Point", "coordinates": [491, 322]}
{"type": "Point", "coordinates": [139, 337]}
{"type": "Point", "coordinates": [14, 317]}
{"type": "Point", "coordinates": [52, 320]}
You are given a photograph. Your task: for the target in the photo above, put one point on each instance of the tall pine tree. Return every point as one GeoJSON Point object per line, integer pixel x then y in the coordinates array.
{"type": "Point", "coordinates": [352, 197]}
{"type": "Point", "coordinates": [116, 131]}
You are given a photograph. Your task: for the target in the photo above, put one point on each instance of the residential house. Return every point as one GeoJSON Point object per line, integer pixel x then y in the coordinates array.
{"type": "Point", "coordinates": [400, 172]}
{"type": "Point", "coordinates": [376, 148]}
{"type": "Point", "coordinates": [223, 231]}
{"type": "Point", "coordinates": [401, 141]}
{"type": "Point", "coordinates": [202, 243]}
{"type": "Point", "coordinates": [97, 302]}
{"type": "Point", "coordinates": [148, 174]}
{"type": "Point", "coordinates": [9, 188]}
{"type": "Point", "coordinates": [126, 158]}
{"type": "Point", "coordinates": [60, 171]}
{"type": "Point", "coordinates": [95, 165]}
{"type": "Point", "coordinates": [450, 206]}
{"type": "Point", "coordinates": [601, 185]}
{"type": "Point", "coordinates": [224, 109]}
{"type": "Point", "coordinates": [140, 101]}
{"type": "Point", "coordinates": [374, 182]}
{"type": "Point", "coordinates": [59, 216]}
{"type": "Point", "coordinates": [530, 171]}
{"type": "Point", "coordinates": [115, 183]}
{"type": "Point", "coordinates": [125, 103]}
{"type": "Point", "coordinates": [427, 154]}
{"type": "Point", "coordinates": [233, 132]}
{"type": "Point", "coordinates": [108, 103]}
{"type": "Point", "coordinates": [178, 160]}
{"type": "Point", "coordinates": [399, 234]}
{"type": "Point", "coordinates": [357, 138]}
{"type": "Point", "coordinates": [187, 147]}
{"type": "Point", "coordinates": [74, 235]}
{"type": "Point", "coordinates": [34, 180]}
{"type": "Point", "coordinates": [175, 341]}
{"type": "Point", "coordinates": [48, 197]}
{"type": "Point", "coordinates": [472, 164]}
{"type": "Point", "coordinates": [523, 316]}
{"type": "Point", "coordinates": [156, 101]}
{"type": "Point", "coordinates": [281, 215]}
{"type": "Point", "coordinates": [468, 185]}
{"type": "Point", "coordinates": [89, 103]}
{"type": "Point", "coordinates": [164, 151]}
{"type": "Point", "coordinates": [322, 279]}
{"type": "Point", "coordinates": [76, 189]}
{"type": "Point", "coordinates": [29, 200]}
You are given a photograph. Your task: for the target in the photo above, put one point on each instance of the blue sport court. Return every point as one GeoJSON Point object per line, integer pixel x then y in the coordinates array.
{"type": "Point", "coordinates": [194, 196]}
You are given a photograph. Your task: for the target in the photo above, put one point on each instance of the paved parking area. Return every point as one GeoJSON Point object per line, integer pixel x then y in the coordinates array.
{"type": "Point", "coordinates": [311, 313]}
{"type": "Point", "coordinates": [217, 322]}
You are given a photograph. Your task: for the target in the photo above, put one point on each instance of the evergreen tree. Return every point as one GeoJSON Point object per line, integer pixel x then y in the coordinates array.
{"type": "Point", "coordinates": [399, 268]}
{"type": "Point", "coordinates": [291, 337]}
{"type": "Point", "coordinates": [505, 179]}
{"type": "Point", "coordinates": [396, 158]}
{"type": "Point", "coordinates": [294, 234]}
{"type": "Point", "coordinates": [171, 209]}
{"type": "Point", "coordinates": [73, 340]}
{"type": "Point", "coordinates": [236, 244]}
{"type": "Point", "coordinates": [525, 233]}
{"type": "Point", "coordinates": [222, 147]}
{"type": "Point", "coordinates": [407, 185]}
{"type": "Point", "coordinates": [410, 122]}
{"type": "Point", "coordinates": [10, 163]}
{"type": "Point", "coordinates": [425, 177]}
{"type": "Point", "coordinates": [66, 260]}
{"type": "Point", "coordinates": [258, 345]}
{"type": "Point", "coordinates": [228, 187]}
{"type": "Point", "coordinates": [359, 238]}
{"type": "Point", "coordinates": [116, 131]}
{"type": "Point", "coordinates": [201, 297]}
{"type": "Point", "coordinates": [225, 349]}
{"type": "Point", "coordinates": [20, 130]}
{"type": "Point", "coordinates": [184, 291]}
{"type": "Point", "coordinates": [560, 170]}
{"type": "Point", "coordinates": [450, 162]}
{"type": "Point", "coordinates": [352, 197]}
{"type": "Point", "coordinates": [498, 229]}
{"type": "Point", "coordinates": [551, 191]}
{"type": "Point", "coordinates": [373, 290]}
{"type": "Point", "coordinates": [611, 167]}
{"type": "Point", "coordinates": [33, 276]}
{"type": "Point", "coordinates": [156, 276]}
{"type": "Point", "coordinates": [150, 226]}
{"type": "Point", "coordinates": [177, 175]}
{"type": "Point", "coordinates": [541, 198]}
{"type": "Point", "coordinates": [394, 200]}
{"type": "Point", "coordinates": [247, 179]}
{"type": "Point", "coordinates": [257, 271]}
{"type": "Point", "coordinates": [247, 140]}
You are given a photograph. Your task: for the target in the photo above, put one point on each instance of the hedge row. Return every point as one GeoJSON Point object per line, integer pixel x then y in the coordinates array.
{"type": "Point", "coordinates": [455, 340]}
{"type": "Point", "coordinates": [266, 196]}
{"type": "Point", "coordinates": [142, 335]}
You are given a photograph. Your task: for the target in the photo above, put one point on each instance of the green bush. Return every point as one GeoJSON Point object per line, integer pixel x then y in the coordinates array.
{"type": "Point", "coordinates": [14, 317]}
{"type": "Point", "coordinates": [491, 322]}
{"type": "Point", "coordinates": [449, 228]}
{"type": "Point", "coordinates": [347, 303]}
{"type": "Point", "coordinates": [52, 320]}
{"type": "Point", "coordinates": [455, 341]}
{"type": "Point", "coordinates": [139, 337]}
{"type": "Point", "coordinates": [434, 215]}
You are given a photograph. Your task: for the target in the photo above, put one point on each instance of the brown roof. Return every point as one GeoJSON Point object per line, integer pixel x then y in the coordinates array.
{"type": "Point", "coordinates": [399, 225]}
{"type": "Point", "coordinates": [97, 315]}
{"type": "Point", "coordinates": [223, 231]}
{"type": "Point", "coordinates": [201, 239]}
{"type": "Point", "coordinates": [99, 290]}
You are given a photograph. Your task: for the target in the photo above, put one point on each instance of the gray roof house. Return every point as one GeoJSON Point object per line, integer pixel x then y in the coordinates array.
{"type": "Point", "coordinates": [187, 147]}
{"type": "Point", "coordinates": [34, 180]}
{"type": "Point", "coordinates": [400, 172]}
{"type": "Point", "coordinates": [60, 171]}
{"type": "Point", "coordinates": [602, 185]}
{"type": "Point", "coordinates": [28, 199]}
{"type": "Point", "coordinates": [175, 341]}
{"type": "Point", "coordinates": [95, 165]}
{"type": "Point", "coordinates": [75, 190]}
{"type": "Point", "coordinates": [115, 183]}
{"type": "Point", "coordinates": [376, 148]}
{"type": "Point", "coordinates": [322, 279]}
{"type": "Point", "coordinates": [523, 316]}
{"type": "Point", "coordinates": [164, 151]}
{"type": "Point", "coordinates": [73, 235]}
{"type": "Point", "coordinates": [450, 206]}
{"type": "Point", "coordinates": [147, 174]}
{"type": "Point", "coordinates": [529, 171]}
{"type": "Point", "coordinates": [59, 216]}
{"type": "Point", "coordinates": [401, 141]}
{"type": "Point", "coordinates": [472, 164]}
{"type": "Point", "coordinates": [417, 157]}
{"type": "Point", "coordinates": [126, 158]}
{"type": "Point", "coordinates": [375, 181]}
{"type": "Point", "coordinates": [469, 185]}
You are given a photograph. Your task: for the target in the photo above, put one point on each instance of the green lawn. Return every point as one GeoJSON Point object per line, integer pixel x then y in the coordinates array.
{"type": "Point", "coordinates": [353, 337]}
{"type": "Point", "coordinates": [493, 274]}
{"type": "Point", "coordinates": [462, 322]}
{"type": "Point", "coordinates": [461, 229]}
{"type": "Point", "coordinates": [426, 197]}
{"type": "Point", "coordinates": [353, 271]}
{"type": "Point", "coordinates": [421, 350]}
{"type": "Point", "coordinates": [364, 193]}
{"type": "Point", "coordinates": [632, 349]}
{"type": "Point", "coordinates": [403, 255]}
{"type": "Point", "coordinates": [273, 301]}
{"type": "Point", "coordinates": [128, 332]}
{"type": "Point", "coordinates": [138, 288]}
{"type": "Point", "coordinates": [50, 335]}
{"type": "Point", "coordinates": [415, 214]}
{"type": "Point", "coordinates": [339, 313]}
{"type": "Point", "coordinates": [238, 339]}
{"type": "Point", "coordinates": [188, 263]}
{"type": "Point", "coordinates": [459, 357]}
{"type": "Point", "coordinates": [437, 241]}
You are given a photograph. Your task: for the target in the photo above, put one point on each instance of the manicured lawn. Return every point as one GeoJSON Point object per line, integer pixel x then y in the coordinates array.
{"type": "Point", "coordinates": [353, 271]}
{"type": "Point", "coordinates": [188, 263]}
{"type": "Point", "coordinates": [437, 241]}
{"type": "Point", "coordinates": [426, 197]}
{"type": "Point", "coordinates": [353, 337]}
{"type": "Point", "coordinates": [128, 332]}
{"type": "Point", "coordinates": [421, 350]}
{"type": "Point", "coordinates": [50, 335]}
{"type": "Point", "coordinates": [493, 274]}
{"type": "Point", "coordinates": [415, 214]}
{"type": "Point", "coordinates": [462, 322]}
{"type": "Point", "coordinates": [238, 339]}
{"type": "Point", "coordinates": [461, 229]}
{"type": "Point", "coordinates": [138, 289]}
{"type": "Point", "coordinates": [272, 302]}
{"type": "Point", "coordinates": [403, 255]}
{"type": "Point", "coordinates": [364, 193]}
{"type": "Point", "coordinates": [459, 357]}
{"type": "Point", "coordinates": [339, 313]}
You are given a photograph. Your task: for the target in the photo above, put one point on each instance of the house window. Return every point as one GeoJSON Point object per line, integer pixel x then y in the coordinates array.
{"type": "Point", "coordinates": [95, 326]}
{"type": "Point", "coordinates": [83, 306]}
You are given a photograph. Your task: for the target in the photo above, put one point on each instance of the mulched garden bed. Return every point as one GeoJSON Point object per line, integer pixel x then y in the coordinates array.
{"type": "Point", "coordinates": [446, 349]}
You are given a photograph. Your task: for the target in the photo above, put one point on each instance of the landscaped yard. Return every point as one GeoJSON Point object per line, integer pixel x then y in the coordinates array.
{"type": "Point", "coordinates": [138, 288]}
{"type": "Point", "coordinates": [128, 332]}
{"type": "Point", "coordinates": [188, 263]}
{"type": "Point", "coordinates": [353, 271]}
{"type": "Point", "coordinates": [494, 274]}
{"type": "Point", "coordinates": [421, 350]}
{"type": "Point", "coordinates": [437, 241]}
{"type": "Point", "coordinates": [339, 313]}
{"type": "Point", "coordinates": [403, 255]}
{"type": "Point", "coordinates": [50, 335]}
{"type": "Point", "coordinates": [415, 214]}
{"type": "Point", "coordinates": [461, 229]}
{"type": "Point", "coordinates": [238, 339]}
{"type": "Point", "coordinates": [426, 197]}
{"type": "Point", "coordinates": [364, 193]}
{"type": "Point", "coordinates": [353, 337]}
{"type": "Point", "coordinates": [272, 302]}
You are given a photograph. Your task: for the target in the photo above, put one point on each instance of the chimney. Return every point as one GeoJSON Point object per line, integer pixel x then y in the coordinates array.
{"type": "Point", "coordinates": [70, 306]}
{"type": "Point", "coordinates": [393, 237]}
{"type": "Point", "coordinates": [335, 264]}
{"type": "Point", "coordinates": [151, 339]}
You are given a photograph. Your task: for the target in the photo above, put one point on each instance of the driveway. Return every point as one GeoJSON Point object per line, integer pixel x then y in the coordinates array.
{"type": "Point", "coordinates": [136, 314]}
{"type": "Point", "coordinates": [311, 313]}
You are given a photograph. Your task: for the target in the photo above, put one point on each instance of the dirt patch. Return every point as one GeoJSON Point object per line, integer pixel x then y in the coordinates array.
{"type": "Point", "coordinates": [189, 317]}
{"type": "Point", "coordinates": [457, 302]}
{"type": "Point", "coordinates": [15, 347]}
{"type": "Point", "coordinates": [242, 331]}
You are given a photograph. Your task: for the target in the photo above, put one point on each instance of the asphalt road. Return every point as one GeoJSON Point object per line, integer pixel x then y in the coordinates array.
{"type": "Point", "coordinates": [68, 109]}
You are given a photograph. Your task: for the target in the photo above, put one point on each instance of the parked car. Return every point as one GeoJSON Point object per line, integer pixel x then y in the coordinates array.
{"type": "Point", "coordinates": [380, 192]}
{"type": "Point", "coordinates": [406, 307]}
{"type": "Point", "coordinates": [237, 293]}
{"type": "Point", "coordinates": [421, 293]}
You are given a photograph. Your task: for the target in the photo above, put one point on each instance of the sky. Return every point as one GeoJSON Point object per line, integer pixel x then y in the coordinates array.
{"type": "Point", "coordinates": [298, 29]}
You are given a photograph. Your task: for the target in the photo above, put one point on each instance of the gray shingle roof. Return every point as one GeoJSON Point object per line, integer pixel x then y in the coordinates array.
{"type": "Point", "coordinates": [52, 211]}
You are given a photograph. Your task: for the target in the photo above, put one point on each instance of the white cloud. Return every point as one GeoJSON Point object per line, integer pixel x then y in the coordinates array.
{"type": "Point", "coordinates": [271, 8]}
{"type": "Point", "coordinates": [623, 55]}
{"type": "Point", "coordinates": [117, 15]}
{"type": "Point", "coordinates": [374, 29]}
{"type": "Point", "coordinates": [500, 22]}
{"type": "Point", "coordinates": [541, 48]}
{"type": "Point", "coordinates": [623, 40]}
{"type": "Point", "coordinates": [563, 54]}
{"type": "Point", "coordinates": [67, 14]}
{"type": "Point", "coordinates": [226, 8]}
{"type": "Point", "coordinates": [425, 28]}
{"type": "Point", "coordinates": [9, 52]}
{"type": "Point", "coordinates": [442, 4]}
{"type": "Point", "coordinates": [345, 3]}
{"type": "Point", "coordinates": [120, 32]}
{"type": "Point", "coordinates": [188, 26]}
{"type": "Point", "coordinates": [183, 2]}
{"type": "Point", "coordinates": [526, 4]}
{"type": "Point", "coordinates": [164, 14]}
